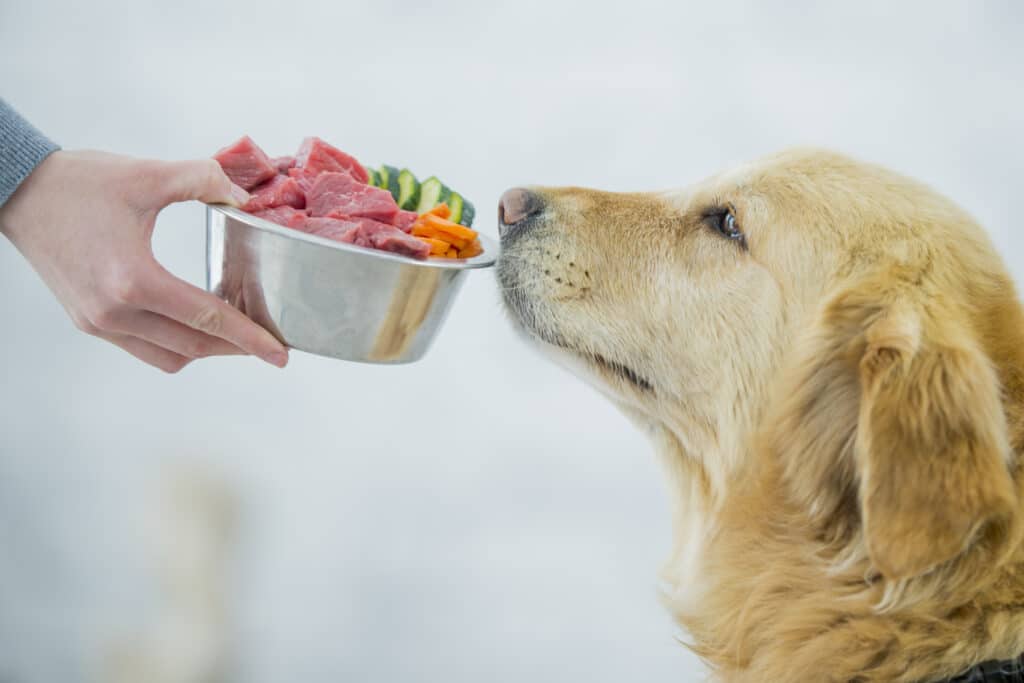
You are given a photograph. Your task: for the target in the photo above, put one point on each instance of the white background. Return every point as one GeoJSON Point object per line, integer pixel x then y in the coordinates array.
{"type": "Point", "coordinates": [518, 539]}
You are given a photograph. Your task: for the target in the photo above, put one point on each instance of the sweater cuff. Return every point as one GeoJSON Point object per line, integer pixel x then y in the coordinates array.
{"type": "Point", "coordinates": [22, 148]}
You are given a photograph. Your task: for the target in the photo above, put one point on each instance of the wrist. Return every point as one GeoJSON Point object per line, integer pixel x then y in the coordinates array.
{"type": "Point", "coordinates": [29, 192]}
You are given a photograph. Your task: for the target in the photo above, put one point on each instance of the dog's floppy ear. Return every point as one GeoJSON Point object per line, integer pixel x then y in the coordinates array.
{"type": "Point", "coordinates": [899, 418]}
{"type": "Point", "coordinates": [932, 445]}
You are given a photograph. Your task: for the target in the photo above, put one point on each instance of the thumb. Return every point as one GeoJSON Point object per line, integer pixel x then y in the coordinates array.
{"type": "Point", "coordinates": [201, 179]}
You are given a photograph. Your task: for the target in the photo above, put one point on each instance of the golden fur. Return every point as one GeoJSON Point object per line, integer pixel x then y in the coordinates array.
{"type": "Point", "coordinates": [839, 407]}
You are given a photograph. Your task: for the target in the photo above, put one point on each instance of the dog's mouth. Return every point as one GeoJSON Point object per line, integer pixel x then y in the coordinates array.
{"type": "Point", "coordinates": [526, 318]}
{"type": "Point", "coordinates": [614, 368]}
{"type": "Point", "coordinates": [623, 371]}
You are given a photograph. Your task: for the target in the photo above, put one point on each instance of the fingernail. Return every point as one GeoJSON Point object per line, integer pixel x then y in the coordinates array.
{"type": "Point", "coordinates": [280, 359]}
{"type": "Point", "coordinates": [239, 195]}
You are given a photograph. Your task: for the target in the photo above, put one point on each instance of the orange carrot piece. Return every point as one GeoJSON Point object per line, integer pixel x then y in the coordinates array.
{"type": "Point", "coordinates": [454, 241]}
{"type": "Point", "coordinates": [452, 253]}
{"type": "Point", "coordinates": [440, 210]}
{"type": "Point", "coordinates": [437, 247]}
{"type": "Point", "coordinates": [440, 222]}
{"type": "Point", "coordinates": [473, 249]}
{"type": "Point", "coordinates": [422, 230]}
{"type": "Point", "coordinates": [460, 231]}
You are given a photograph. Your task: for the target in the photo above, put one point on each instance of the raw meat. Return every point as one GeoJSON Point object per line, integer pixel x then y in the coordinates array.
{"type": "Point", "coordinates": [283, 163]}
{"type": "Point", "coordinates": [365, 232]}
{"type": "Point", "coordinates": [399, 242]}
{"type": "Point", "coordinates": [304, 179]}
{"type": "Point", "coordinates": [284, 215]}
{"type": "Point", "coordinates": [321, 191]}
{"type": "Point", "coordinates": [245, 163]}
{"type": "Point", "coordinates": [316, 156]}
{"type": "Point", "coordinates": [341, 195]}
{"type": "Point", "coordinates": [403, 220]}
{"type": "Point", "coordinates": [278, 191]}
{"type": "Point", "coordinates": [333, 229]}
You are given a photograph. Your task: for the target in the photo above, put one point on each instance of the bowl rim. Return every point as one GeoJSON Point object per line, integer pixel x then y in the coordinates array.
{"type": "Point", "coordinates": [484, 260]}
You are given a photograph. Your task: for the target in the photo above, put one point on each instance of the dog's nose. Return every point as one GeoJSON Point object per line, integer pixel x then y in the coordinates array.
{"type": "Point", "coordinates": [515, 206]}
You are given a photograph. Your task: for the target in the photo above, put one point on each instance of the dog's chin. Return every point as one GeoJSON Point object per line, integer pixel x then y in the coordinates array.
{"type": "Point", "coordinates": [616, 382]}
{"type": "Point", "coordinates": [607, 375]}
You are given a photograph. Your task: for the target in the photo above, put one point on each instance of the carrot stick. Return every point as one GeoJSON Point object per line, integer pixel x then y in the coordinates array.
{"type": "Point", "coordinates": [447, 226]}
{"type": "Point", "coordinates": [440, 210]}
{"type": "Point", "coordinates": [423, 230]}
{"type": "Point", "coordinates": [452, 253]}
{"type": "Point", "coordinates": [437, 247]}
{"type": "Point", "coordinates": [473, 249]}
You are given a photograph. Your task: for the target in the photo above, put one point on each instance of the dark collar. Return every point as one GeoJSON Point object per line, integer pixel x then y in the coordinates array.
{"type": "Point", "coordinates": [1005, 671]}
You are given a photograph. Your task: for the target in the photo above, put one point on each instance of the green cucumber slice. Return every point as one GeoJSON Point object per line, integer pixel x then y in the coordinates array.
{"type": "Point", "coordinates": [389, 179]}
{"type": "Point", "coordinates": [408, 190]}
{"type": "Point", "coordinates": [432, 193]}
{"type": "Point", "coordinates": [455, 203]}
{"type": "Point", "coordinates": [468, 213]}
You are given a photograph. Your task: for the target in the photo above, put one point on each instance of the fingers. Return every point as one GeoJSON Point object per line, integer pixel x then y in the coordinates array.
{"type": "Point", "coordinates": [201, 179]}
{"type": "Point", "coordinates": [158, 357]}
{"type": "Point", "coordinates": [148, 303]}
{"type": "Point", "coordinates": [171, 335]}
{"type": "Point", "coordinates": [202, 311]}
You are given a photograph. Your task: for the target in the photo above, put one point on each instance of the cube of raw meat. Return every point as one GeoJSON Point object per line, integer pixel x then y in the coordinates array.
{"type": "Point", "coordinates": [399, 242]}
{"type": "Point", "coordinates": [341, 195]}
{"type": "Point", "coordinates": [403, 220]}
{"type": "Point", "coordinates": [283, 163]}
{"type": "Point", "coordinates": [333, 229]}
{"type": "Point", "coordinates": [284, 215]}
{"type": "Point", "coordinates": [317, 156]}
{"type": "Point", "coordinates": [304, 179]}
{"type": "Point", "coordinates": [365, 232]}
{"type": "Point", "coordinates": [245, 163]}
{"type": "Point", "coordinates": [278, 191]}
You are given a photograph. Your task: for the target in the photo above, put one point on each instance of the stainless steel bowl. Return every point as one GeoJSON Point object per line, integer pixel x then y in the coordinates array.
{"type": "Point", "coordinates": [329, 298]}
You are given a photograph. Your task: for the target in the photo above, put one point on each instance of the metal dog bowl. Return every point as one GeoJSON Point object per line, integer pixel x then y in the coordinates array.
{"type": "Point", "coordinates": [329, 298]}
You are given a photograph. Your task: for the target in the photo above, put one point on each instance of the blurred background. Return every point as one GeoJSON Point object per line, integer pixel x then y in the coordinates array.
{"type": "Point", "coordinates": [360, 539]}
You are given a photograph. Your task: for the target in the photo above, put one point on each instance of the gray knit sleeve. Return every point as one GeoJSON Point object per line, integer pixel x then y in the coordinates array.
{"type": "Point", "coordinates": [22, 148]}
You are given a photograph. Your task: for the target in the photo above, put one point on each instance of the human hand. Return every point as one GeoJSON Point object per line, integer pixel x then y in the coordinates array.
{"type": "Point", "coordinates": [85, 220]}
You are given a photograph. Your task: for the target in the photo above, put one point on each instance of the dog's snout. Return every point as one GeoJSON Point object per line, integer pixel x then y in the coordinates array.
{"type": "Point", "coordinates": [515, 206]}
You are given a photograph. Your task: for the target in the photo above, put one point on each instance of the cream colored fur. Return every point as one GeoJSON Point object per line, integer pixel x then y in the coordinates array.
{"type": "Point", "coordinates": [839, 408]}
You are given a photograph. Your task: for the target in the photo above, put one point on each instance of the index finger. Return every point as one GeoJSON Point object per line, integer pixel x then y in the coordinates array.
{"type": "Point", "coordinates": [189, 305]}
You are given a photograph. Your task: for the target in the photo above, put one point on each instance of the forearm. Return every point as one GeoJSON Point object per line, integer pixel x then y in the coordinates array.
{"type": "Point", "coordinates": [22, 148]}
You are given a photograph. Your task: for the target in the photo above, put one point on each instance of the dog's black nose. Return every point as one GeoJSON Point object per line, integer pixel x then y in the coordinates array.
{"type": "Point", "coordinates": [515, 206]}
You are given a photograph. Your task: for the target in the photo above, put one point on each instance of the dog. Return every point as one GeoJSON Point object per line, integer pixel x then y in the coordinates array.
{"type": "Point", "coordinates": [829, 359]}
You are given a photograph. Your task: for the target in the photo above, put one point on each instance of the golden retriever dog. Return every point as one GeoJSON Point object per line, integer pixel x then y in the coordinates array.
{"type": "Point", "coordinates": [829, 358]}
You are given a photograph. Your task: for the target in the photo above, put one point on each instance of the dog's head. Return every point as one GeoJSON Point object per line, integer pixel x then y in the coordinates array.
{"type": "Point", "coordinates": [849, 324]}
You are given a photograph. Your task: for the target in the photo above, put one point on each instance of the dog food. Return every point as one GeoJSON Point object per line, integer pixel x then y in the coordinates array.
{"type": "Point", "coordinates": [325, 192]}
{"type": "Point", "coordinates": [340, 194]}
{"type": "Point", "coordinates": [445, 237]}
{"type": "Point", "coordinates": [245, 163]}
{"type": "Point", "coordinates": [278, 191]}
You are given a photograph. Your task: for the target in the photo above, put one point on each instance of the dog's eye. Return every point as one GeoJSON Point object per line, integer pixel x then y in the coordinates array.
{"type": "Point", "coordinates": [723, 221]}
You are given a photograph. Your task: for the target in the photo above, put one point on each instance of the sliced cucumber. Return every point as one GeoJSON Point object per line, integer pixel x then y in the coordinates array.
{"type": "Point", "coordinates": [468, 213]}
{"type": "Point", "coordinates": [374, 179]}
{"type": "Point", "coordinates": [408, 190]}
{"type": "Point", "coordinates": [389, 179]}
{"type": "Point", "coordinates": [432, 193]}
{"type": "Point", "coordinates": [455, 203]}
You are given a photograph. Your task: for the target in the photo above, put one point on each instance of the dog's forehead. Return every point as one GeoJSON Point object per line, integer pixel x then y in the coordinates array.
{"type": "Point", "coordinates": [740, 175]}
{"type": "Point", "coordinates": [734, 185]}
